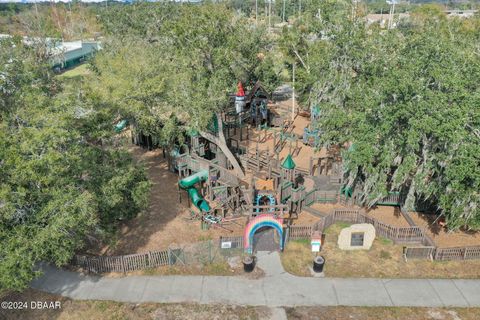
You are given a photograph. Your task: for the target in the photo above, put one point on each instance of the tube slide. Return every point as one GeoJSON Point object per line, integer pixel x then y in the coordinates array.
{"type": "Point", "coordinates": [188, 184]}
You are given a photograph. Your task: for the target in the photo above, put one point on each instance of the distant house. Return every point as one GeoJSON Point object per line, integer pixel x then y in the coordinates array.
{"type": "Point", "coordinates": [64, 54]}
{"type": "Point", "coordinates": [382, 19]}
{"type": "Point", "coordinates": [68, 54]}
{"type": "Point", "coordinates": [461, 13]}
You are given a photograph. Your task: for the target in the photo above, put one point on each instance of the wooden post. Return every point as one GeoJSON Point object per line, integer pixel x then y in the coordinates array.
{"type": "Point", "coordinates": [269, 159]}
{"type": "Point", "coordinates": [122, 264]}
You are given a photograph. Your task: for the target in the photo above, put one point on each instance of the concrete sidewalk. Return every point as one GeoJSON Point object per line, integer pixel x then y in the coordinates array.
{"type": "Point", "coordinates": [277, 288]}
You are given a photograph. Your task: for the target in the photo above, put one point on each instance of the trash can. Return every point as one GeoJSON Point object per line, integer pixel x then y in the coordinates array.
{"type": "Point", "coordinates": [248, 263]}
{"type": "Point", "coordinates": [318, 264]}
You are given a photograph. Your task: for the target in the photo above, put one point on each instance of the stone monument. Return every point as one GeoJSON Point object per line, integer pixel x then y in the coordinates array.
{"type": "Point", "coordinates": [357, 237]}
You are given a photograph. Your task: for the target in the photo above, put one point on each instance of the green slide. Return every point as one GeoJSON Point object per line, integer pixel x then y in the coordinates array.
{"type": "Point", "coordinates": [188, 184]}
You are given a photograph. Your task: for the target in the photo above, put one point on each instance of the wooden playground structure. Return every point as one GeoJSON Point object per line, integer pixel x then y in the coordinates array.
{"type": "Point", "coordinates": [256, 163]}
{"type": "Point", "coordinates": [245, 167]}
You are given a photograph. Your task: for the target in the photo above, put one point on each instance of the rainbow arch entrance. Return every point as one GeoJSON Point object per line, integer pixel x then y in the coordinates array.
{"type": "Point", "coordinates": [260, 221]}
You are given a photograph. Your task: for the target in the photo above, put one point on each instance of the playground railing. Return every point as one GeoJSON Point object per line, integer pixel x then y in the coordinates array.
{"type": "Point", "coordinates": [326, 196]}
{"type": "Point", "coordinates": [278, 209]}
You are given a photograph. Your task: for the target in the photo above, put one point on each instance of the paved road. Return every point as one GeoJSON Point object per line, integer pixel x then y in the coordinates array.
{"type": "Point", "coordinates": [277, 288]}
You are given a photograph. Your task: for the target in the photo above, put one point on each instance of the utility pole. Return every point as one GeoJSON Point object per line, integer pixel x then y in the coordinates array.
{"type": "Point", "coordinates": [354, 9]}
{"type": "Point", "coordinates": [283, 13]}
{"type": "Point", "coordinates": [269, 15]}
{"type": "Point", "coordinates": [256, 12]}
{"type": "Point", "coordinates": [293, 92]}
{"type": "Point", "coordinates": [391, 13]}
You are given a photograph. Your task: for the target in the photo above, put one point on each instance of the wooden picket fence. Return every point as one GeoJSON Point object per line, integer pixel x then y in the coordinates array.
{"type": "Point", "coordinates": [442, 254]}
{"type": "Point", "coordinates": [326, 196]}
{"type": "Point", "coordinates": [410, 234]}
{"type": "Point", "coordinates": [125, 263]}
{"type": "Point", "coordinates": [418, 252]}
{"type": "Point", "coordinates": [458, 253]}
{"type": "Point", "coordinates": [297, 232]}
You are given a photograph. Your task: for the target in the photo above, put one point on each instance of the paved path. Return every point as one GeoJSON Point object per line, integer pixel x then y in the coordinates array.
{"type": "Point", "coordinates": [277, 288]}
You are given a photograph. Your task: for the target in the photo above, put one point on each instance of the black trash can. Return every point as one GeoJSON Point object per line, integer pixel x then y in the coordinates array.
{"type": "Point", "coordinates": [318, 264]}
{"type": "Point", "coordinates": [248, 263]}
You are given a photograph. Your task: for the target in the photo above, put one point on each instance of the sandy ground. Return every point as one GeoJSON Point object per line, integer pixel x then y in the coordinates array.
{"type": "Point", "coordinates": [389, 215]}
{"type": "Point", "coordinates": [166, 221]}
{"type": "Point", "coordinates": [302, 160]}
{"type": "Point", "coordinates": [305, 218]}
{"type": "Point", "coordinates": [441, 236]}
{"type": "Point", "coordinates": [327, 208]}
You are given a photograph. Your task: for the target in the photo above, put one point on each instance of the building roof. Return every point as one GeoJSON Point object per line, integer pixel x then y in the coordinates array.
{"type": "Point", "coordinates": [240, 92]}
{"type": "Point", "coordinates": [288, 163]}
{"type": "Point", "coordinates": [256, 88]}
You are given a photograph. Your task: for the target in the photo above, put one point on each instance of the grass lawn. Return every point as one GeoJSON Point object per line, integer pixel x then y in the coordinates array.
{"type": "Point", "coordinates": [75, 73]}
{"type": "Point", "coordinates": [217, 268]}
{"type": "Point", "coordinates": [109, 310]}
{"type": "Point", "coordinates": [383, 260]}
{"type": "Point", "coordinates": [379, 313]}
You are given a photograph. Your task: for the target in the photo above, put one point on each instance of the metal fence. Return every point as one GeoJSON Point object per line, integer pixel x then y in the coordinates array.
{"type": "Point", "coordinates": [231, 242]}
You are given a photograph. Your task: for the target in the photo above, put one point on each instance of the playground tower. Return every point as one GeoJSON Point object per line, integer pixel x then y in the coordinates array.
{"type": "Point", "coordinates": [288, 169]}
{"type": "Point", "coordinates": [240, 98]}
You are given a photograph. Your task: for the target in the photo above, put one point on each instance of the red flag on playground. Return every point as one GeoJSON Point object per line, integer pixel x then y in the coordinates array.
{"type": "Point", "coordinates": [240, 92]}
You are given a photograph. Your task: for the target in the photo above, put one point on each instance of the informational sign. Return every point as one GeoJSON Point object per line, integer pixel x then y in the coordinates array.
{"type": "Point", "coordinates": [316, 244]}
{"type": "Point", "coordinates": [316, 241]}
{"type": "Point", "coordinates": [226, 245]}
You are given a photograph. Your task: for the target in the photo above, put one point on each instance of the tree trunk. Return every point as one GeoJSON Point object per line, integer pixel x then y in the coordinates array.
{"type": "Point", "coordinates": [222, 144]}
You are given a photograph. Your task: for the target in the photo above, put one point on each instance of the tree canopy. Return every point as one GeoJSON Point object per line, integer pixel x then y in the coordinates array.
{"type": "Point", "coordinates": [405, 99]}
{"type": "Point", "coordinates": [404, 102]}
{"type": "Point", "coordinates": [166, 65]}
{"type": "Point", "coordinates": [57, 184]}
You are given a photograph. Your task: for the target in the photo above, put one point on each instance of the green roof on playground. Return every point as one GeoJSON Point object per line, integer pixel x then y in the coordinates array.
{"type": "Point", "coordinates": [288, 163]}
{"type": "Point", "coordinates": [192, 132]}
